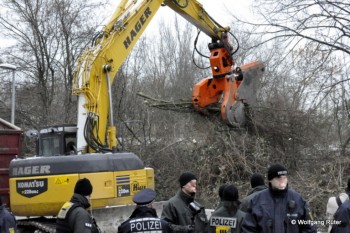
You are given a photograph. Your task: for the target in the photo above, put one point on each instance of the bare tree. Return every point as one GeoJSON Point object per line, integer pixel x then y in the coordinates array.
{"type": "Point", "coordinates": [303, 111]}
{"type": "Point", "coordinates": [313, 41]}
{"type": "Point", "coordinates": [325, 23]}
{"type": "Point", "coordinates": [48, 37]}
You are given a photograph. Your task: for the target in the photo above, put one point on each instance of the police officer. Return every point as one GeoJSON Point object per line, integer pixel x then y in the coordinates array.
{"type": "Point", "coordinates": [278, 209]}
{"type": "Point", "coordinates": [7, 220]}
{"type": "Point", "coordinates": [144, 218]}
{"type": "Point", "coordinates": [183, 213]}
{"type": "Point", "coordinates": [228, 218]}
{"type": "Point", "coordinates": [73, 216]}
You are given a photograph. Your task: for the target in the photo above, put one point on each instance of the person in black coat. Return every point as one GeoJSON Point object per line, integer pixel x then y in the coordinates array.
{"type": "Point", "coordinates": [182, 211]}
{"type": "Point", "coordinates": [278, 209]}
{"type": "Point", "coordinates": [73, 216]}
{"type": "Point", "coordinates": [144, 218]}
{"type": "Point", "coordinates": [228, 218]}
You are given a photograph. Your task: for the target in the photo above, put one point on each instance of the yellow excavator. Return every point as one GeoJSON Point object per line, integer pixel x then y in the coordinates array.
{"type": "Point", "coordinates": [40, 185]}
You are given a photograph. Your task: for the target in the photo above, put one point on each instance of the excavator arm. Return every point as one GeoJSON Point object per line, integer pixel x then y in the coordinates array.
{"type": "Point", "coordinates": [97, 68]}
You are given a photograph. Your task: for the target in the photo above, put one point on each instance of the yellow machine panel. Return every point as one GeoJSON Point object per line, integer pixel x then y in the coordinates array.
{"type": "Point", "coordinates": [115, 178]}
{"type": "Point", "coordinates": [41, 195]}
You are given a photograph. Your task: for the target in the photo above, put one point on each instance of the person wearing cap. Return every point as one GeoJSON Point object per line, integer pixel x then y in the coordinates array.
{"type": "Point", "coordinates": [73, 216]}
{"type": "Point", "coordinates": [7, 220]}
{"type": "Point", "coordinates": [228, 218]}
{"type": "Point", "coordinates": [335, 202]}
{"type": "Point", "coordinates": [183, 213]}
{"type": "Point", "coordinates": [144, 218]}
{"type": "Point", "coordinates": [258, 184]}
{"type": "Point", "coordinates": [278, 209]}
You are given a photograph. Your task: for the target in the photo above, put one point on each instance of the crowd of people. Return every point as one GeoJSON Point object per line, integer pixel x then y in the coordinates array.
{"type": "Point", "coordinates": [271, 208]}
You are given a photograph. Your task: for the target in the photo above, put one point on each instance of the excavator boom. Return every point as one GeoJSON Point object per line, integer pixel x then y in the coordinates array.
{"type": "Point", "coordinates": [98, 66]}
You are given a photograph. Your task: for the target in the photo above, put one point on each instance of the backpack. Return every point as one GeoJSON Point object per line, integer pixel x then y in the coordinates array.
{"type": "Point", "coordinates": [334, 203]}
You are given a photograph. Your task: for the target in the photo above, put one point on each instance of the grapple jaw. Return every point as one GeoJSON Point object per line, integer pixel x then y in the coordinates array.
{"type": "Point", "coordinates": [237, 111]}
{"type": "Point", "coordinates": [236, 93]}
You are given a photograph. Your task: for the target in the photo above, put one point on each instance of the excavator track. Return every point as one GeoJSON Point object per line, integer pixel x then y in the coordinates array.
{"type": "Point", "coordinates": [37, 225]}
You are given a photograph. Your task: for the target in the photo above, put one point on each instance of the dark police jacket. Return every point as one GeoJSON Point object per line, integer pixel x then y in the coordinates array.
{"type": "Point", "coordinates": [74, 218]}
{"type": "Point", "coordinates": [275, 211]}
{"type": "Point", "coordinates": [179, 215]}
{"type": "Point", "coordinates": [7, 221]}
{"type": "Point", "coordinates": [245, 202]}
{"type": "Point", "coordinates": [341, 222]}
{"type": "Point", "coordinates": [144, 219]}
{"type": "Point", "coordinates": [227, 219]}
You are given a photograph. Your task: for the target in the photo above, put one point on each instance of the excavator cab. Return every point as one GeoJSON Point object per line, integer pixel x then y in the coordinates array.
{"type": "Point", "coordinates": [57, 140]}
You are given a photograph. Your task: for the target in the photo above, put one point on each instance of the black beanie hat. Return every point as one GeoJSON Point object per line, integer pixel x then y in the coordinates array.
{"type": "Point", "coordinates": [256, 180]}
{"type": "Point", "coordinates": [185, 178]}
{"type": "Point", "coordinates": [221, 190]}
{"type": "Point", "coordinates": [83, 187]}
{"type": "Point", "coordinates": [230, 193]}
{"type": "Point", "coordinates": [276, 170]}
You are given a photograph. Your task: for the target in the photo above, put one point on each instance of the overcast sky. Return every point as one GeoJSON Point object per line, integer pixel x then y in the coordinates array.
{"type": "Point", "coordinates": [219, 10]}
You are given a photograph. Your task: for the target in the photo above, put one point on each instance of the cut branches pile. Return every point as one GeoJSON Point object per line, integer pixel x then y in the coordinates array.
{"type": "Point", "coordinates": [180, 105]}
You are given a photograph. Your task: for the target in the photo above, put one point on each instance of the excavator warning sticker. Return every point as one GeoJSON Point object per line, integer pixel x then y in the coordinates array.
{"type": "Point", "coordinates": [31, 188]}
{"type": "Point", "coordinates": [62, 180]}
{"type": "Point", "coordinates": [123, 186]}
